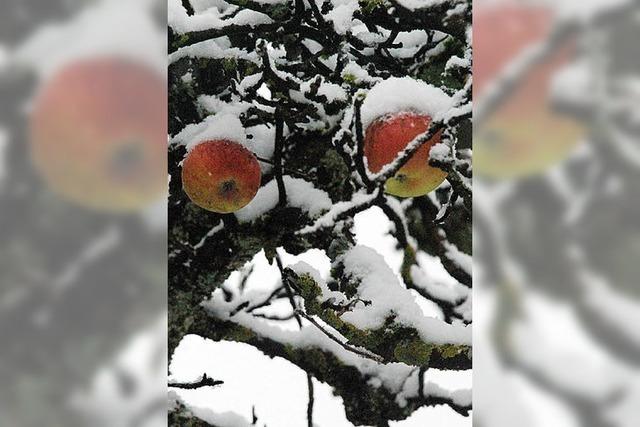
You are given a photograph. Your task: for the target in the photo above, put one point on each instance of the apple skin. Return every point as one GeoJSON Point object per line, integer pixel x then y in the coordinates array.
{"type": "Point", "coordinates": [98, 134]}
{"type": "Point", "coordinates": [524, 136]}
{"type": "Point", "coordinates": [220, 176]}
{"type": "Point", "coordinates": [389, 135]}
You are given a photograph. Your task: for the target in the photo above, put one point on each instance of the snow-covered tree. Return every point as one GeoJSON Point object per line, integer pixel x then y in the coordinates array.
{"type": "Point", "coordinates": [299, 83]}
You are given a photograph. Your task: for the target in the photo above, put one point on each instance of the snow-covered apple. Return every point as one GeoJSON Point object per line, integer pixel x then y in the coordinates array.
{"type": "Point", "coordinates": [386, 137]}
{"type": "Point", "coordinates": [98, 134]}
{"type": "Point", "coordinates": [220, 175]}
{"type": "Point", "coordinates": [524, 135]}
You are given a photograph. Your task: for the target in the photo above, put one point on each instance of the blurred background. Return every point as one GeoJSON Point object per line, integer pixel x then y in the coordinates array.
{"type": "Point", "coordinates": [82, 224]}
{"type": "Point", "coordinates": [556, 208]}
{"type": "Point", "coordinates": [556, 213]}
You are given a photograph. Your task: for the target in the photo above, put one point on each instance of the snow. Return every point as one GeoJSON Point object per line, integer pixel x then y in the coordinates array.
{"type": "Point", "coordinates": [331, 62]}
{"type": "Point", "coordinates": [210, 233]}
{"type": "Point", "coordinates": [440, 152]}
{"type": "Point", "coordinates": [211, 18]}
{"type": "Point", "coordinates": [313, 46]}
{"type": "Point", "coordinates": [302, 268]}
{"type": "Point", "coordinates": [187, 78]}
{"type": "Point", "coordinates": [275, 387]}
{"type": "Point", "coordinates": [370, 39]}
{"type": "Point", "coordinates": [262, 143]}
{"type": "Point", "coordinates": [359, 74]}
{"type": "Point", "coordinates": [207, 414]}
{"type": "Point", "coordinates": [211, 104]}
{"type": "Point", "coordinates": [249, 82]}
{"type": "Point", "coordinates": [395, 377]}
{"type": "Point", "coordinates": [411, 42]}
{"type": "Point", "coordinates": [332, 91]}
{"type": "Point", "coordinates": [570, 86]}
{"type": "Point", "coordinates": [460, 397]}
{"type": "Point", "coordinates": [272, 2]}
{"type": "Point", "coordinates": [200, 6]}
{"type": "Point", "coordinates": [300, 194]}
{"type": "Point", "coordinates": [225, 124]}
{"type": "Point", "coordinates": [457, 62]}
{"type": "Point", "coordinates": [372, 228]}
{"type": "Point", "coordinates": [420, 4]}
{"type": "Point", "coordinates": [329, 218]}
{"type": "Point", "coordinates": [342, 15]}
{"type": "Point", "coordinates": [215, 127]}
{"type": "Point", "coordinates": [380, 286]}
{"type": "Point", "coordinates": [461, 259]}
{"type": "Point", "coordinates": [211, 49]}
{"type": "Point", "coordinates": [459, 9]}
{"type": "Point", "coordinates": [399, 94]}
{"type": "Point", "coordinates": [437, 288]}
{"type": "Point", "coordinates": [391, 375]}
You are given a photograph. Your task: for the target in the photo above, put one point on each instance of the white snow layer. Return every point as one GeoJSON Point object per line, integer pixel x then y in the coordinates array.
{"type": "Point", "coordinates": [342, 15]}
{"type": "Point", "coordinates": [440, 152]}
{"type": "Point", "coordinates": [420, 4]}
{"type": "Point", "coordinates": [438, 288]}
{"type": "Point", "coordinates": [337, 209]}
{"type": "Point", "coordinates": [392, 376]}
{"type": "Point", "coordinates": [302, 268]}
{"type": "Point", "coordinates": [208, 414]}
{"type": "Point", "coordinates": [211, 49]}
{"type": "Point", "coordinates": [381, 287]}
{"type": "Point", "coordinates": [215, 127]}
{"type": "Point", "coordinates": [300, 194]}
{"type": "Point", "coordinates": [182, 23]}
{"type": "Point", "coordinates": [398, 94]}
{"type": "Point", "coordinates": [359, 74]}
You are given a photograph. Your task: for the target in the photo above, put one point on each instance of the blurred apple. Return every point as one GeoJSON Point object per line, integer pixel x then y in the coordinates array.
{"type": "Point", "coordinates": [523, 136]}
{"type": "Point", "coordinates": [98, 134]}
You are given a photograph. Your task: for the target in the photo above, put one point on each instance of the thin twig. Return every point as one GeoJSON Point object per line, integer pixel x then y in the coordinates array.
{"type": "Point", "coordinates": [284, 169]}
{"type": "Point", "coordinates": [360, 166]}
{"type": "Point", "coordinates": [290, 294]}
{"type": "Point", "coordinates": [311, 399]}
{"type": "Point", "coordinates": [277, 159]}
{"type": "Point", "coordinates": [205, 381]}
{"type": "Point", "coordinates": [276, 293]}
{"type": "Point", "coordinates": [363, 353]}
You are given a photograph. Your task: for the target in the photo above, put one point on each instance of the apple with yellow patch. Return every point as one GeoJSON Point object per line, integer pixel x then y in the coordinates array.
{"type": "Point", "coordinates": [386, 137]}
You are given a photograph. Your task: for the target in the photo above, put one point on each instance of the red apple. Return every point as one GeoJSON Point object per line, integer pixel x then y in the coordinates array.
{"type": "Point", "coordinates": [99, 134]}
{"type": "Point", "coordinates": [524, 135]}
{"type": "Point", "coordinates": [389, 135]}
{"type": "Point", "coordinates": [220, 176]}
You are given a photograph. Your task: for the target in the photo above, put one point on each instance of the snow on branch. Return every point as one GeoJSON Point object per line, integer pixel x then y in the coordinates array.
{"type": "Point", "coordinates": [385, 296]}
